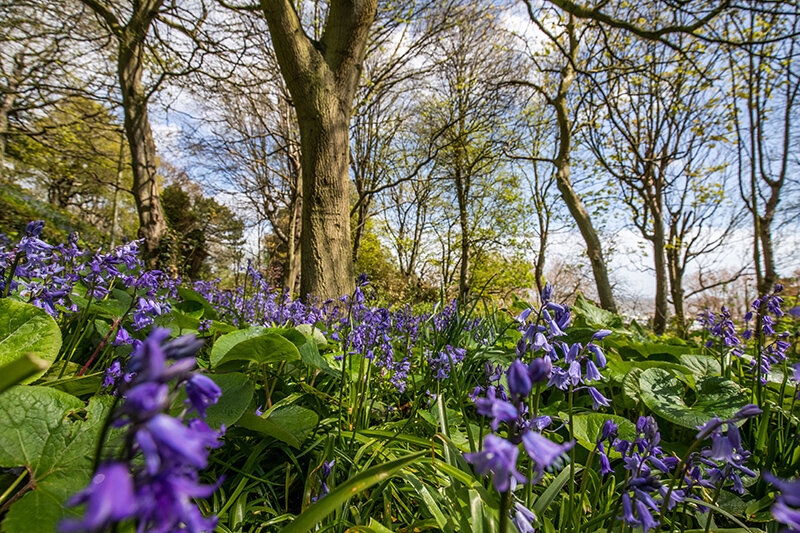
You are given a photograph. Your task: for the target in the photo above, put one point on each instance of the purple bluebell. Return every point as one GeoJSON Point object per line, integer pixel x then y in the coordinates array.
{"type": "Point", "coordinates": [523, 518]}
{"type": "Point", "coordinates": [202, 392]}
{"type": "Point", "coordinates": [519, 381]}
{"type": "Point", "coordinates": [498, 457]}
{"type": "Point", "coordinates": [109, 498]}
{"type": "Point", "coordinates": [542, 451]}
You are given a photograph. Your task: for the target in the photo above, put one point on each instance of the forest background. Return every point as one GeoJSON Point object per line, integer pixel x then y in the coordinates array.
{"type": "Point", "coordinates": [644, 155]}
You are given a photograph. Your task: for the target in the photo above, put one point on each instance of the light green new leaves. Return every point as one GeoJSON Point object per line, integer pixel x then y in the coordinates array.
{"type": "Point", "coordinates": [57, 450]}
{"type": "Point", "coordinates": [25, 328]}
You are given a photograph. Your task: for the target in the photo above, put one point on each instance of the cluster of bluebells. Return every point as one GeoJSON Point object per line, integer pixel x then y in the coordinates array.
{"type": "Point", "coordinates": [645, 494]}
{"type": "Point", "coordinates": [157, 493]}
{"type": "Point", "coordinates": [499, 454]}
{"type": "Point", "coordinates": [766, 312]}
{"type": "Point", "coordinates": [574, 367]}
{"type": "Point", "coordinates": [48, 276]}
{"type": "Point", "coordinates": [441, 363]}
{"type": "Point", "coordinates": [723, 464]}
{"type": "Point", "coordinates": [645, 464]}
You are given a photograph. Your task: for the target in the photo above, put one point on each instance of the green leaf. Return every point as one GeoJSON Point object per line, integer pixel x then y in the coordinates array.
{"type": "Point", "coordinates": [290, 424]}
{"type": "Point", "coordinates": [25, 329]}
{"type": "Point", "coordinates": [190, 295]}
{"type": "Point", "coordinates": [357, 484]}
{"type": "Point", "coordinates": [316, 333]}
{"type": "Point", "coordinates": [237, 393]}
{"type": "Point", "coordinates": [257, 344]}
{"type": "Point", "coordinates": [543, 502]}
{"type": "Point", "coordinates": [587, 428]}
{"type": "Point", "coordinates": [631, 391]}
{"type": "Point", "coordinates": [716, 396]}
{"type": "Point", "coordinates": [309, 353]}
{"type": "Point", "coordinates": [57, 450]}
{"type": "Point", "coordinates": [594, 317]}
{"type": "Point", "coordinates": [701, 365]}
{"type": "Point", "coordinates": [18, 370]}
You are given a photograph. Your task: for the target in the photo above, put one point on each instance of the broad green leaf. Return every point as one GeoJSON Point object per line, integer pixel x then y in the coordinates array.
{"type": "Point", "coordinates": [190, 295]}
{"type": "Point", "coordinates": [316, 333]}
{"type": "Point", "coordinates": [237, 393]}
{"type": "Point", "coordinates": [309, 353]}
{"type": "Point", "coordinates": [701, 365]}
{"type": "Point", "coordinates": [645, 350]}
{"type": "Point", "coordinates": [587, 428]}
{"type": "Point", "coordinates": [308, 519]}
{"type": "Point", "coordinates": [18, 370]}
{"type": "Point", "coordinates": [594, 317]}
{"type": "Point", "coordinates": [257, 344]}
{"type": "Point", "coordinates": [631, 391]}
{"type": "Point", "coordinates": [290, 424]}
{"type": "Point", "coordinates": [58, 451]}
{"type": "Point", "coordinates": [617, 370]}
{"type": "Point", "coordinates": [26, 329]}
{"type": "Point", "coordinates": [716, 396]}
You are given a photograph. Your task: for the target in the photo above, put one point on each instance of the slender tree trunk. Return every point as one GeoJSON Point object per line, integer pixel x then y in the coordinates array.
{"type": "Point", "coordinates": [562, 162]}
{"type": "Point", "coordinates": [462, 195]}
{"type": "Point", "coordinates": [660, 264]}
{"type": "Point", "coordinates": [765, 237]}
{"type": "Point", "coordinates": [152, 222]}
{"type": "Point", "coordinates": [676, 271]}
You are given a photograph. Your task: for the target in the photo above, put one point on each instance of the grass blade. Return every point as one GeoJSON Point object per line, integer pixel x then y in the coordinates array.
{"type": "Point", "coordinates": [309, 518]}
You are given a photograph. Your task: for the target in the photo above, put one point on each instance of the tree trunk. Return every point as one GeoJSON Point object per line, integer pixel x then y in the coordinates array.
{"type": "Point", "coordinates": [462, 193]}
{"type": "Point", "coordinates": [322, 77]}
{"type": "Point", "coordinates": [660, 264]}
{"type": "Point", "coordinates": [327, 261]}
{"type": "Point", "coordinates": [765, 236]}
{"type": "Point", "coordinates": [6, 103]}
{"type": "Point", "coordinates": [676, 287]}
{"type": "Point", "coordinates": [152, 222]}
{"type": "Point", "coordinates": [562, 162]}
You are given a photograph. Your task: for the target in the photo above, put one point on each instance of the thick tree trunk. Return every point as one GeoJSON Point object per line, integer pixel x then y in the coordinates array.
{"type": "Point", "coordinates": [327, 265]}
{"type": "Point", "coordinates": [152, 222]}
{"type": "Point", "coordinates": [322, 77]}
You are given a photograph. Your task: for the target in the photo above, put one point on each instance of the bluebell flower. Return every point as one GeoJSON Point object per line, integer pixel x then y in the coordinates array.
{"type": "Point", "coordinates": [498, 457]}
{"type": "Point", "coordinates": [109, 498]}
{"type": "Point", "coordinates": [202, 392]}
{"type": "Point", "coordinates": [523, 518]}
{"type": "Point", "coordinates": [166, 504]}
{"type": "Point", "coordinates": [519, 381]}
{"type": "Point", "coordinates": [542, 451]}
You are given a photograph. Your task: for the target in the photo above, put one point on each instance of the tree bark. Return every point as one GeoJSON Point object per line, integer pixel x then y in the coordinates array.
{"type": "Point", "coordinates": [6, 103]}
{"type": "Point", "coordinates": [152, 222]}
{"type": "Point", "coordinates": [130, 68]}
{"type": "Point", "coordinates": [322, 77]}
{"type": "Point", "coordinates": [562, 162]}
{"type": "Point", "coordinates": [660, 264]}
